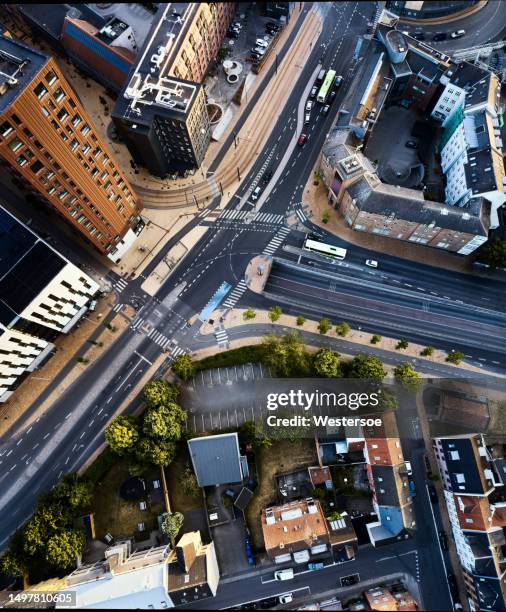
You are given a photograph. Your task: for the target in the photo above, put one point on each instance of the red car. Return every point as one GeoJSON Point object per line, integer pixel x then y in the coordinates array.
{"type": "Point", "coordinates": [302, 140]}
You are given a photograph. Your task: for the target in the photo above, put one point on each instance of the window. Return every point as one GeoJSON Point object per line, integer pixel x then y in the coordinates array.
{"type": "Point", "coordinates": [63, 194]}
{"type": "Point", "coordinates": [76, 120]}
{"type": "Point", "coordinates": [104, 175]}
{"type": "Point", "coordinates": [40, 91]}
{"type": "Point", "coordinates": [16, 119]}
{"type": "Point", "coordinates": [59, 95]}
{"type": "Point", "coordinates": [460, 478]}
{"type": "Point", "coordinates": [36, 166]}
{"type": "Point", "coordinates": [6, 128]}
{"type": "Point", "coordinates": [73, 144]}
{"type": "Point", "coordinates": [63, 114]}
{"type": "Point", "coordinates": [85, 148]}
{"type": "Point", "coordinates": [15, 144]}
{"type": "Point", "coordinates": [21, 160]}
{"type": "Point", "coordinates": [454, 455]}
{"type": "Point", "coordinates": [51, 77]}
{"type": "Point", "coordinates": [27, 132]}
{"type": "Point", "coordinates": [85, 129]}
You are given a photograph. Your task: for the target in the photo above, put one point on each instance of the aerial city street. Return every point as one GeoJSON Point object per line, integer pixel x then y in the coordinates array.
{"type": "Point", "coordinates": [252, 305]}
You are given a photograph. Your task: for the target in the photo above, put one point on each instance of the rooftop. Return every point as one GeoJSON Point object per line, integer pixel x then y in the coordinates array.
{"type": "Point", "coordinates": [19, 65]}
{"type": "Point", "coordinates": [216, 459]}
{"type": "Point", "coordinates": [391, 485]}
{"type": "Point", "coordinates": [467, 464]}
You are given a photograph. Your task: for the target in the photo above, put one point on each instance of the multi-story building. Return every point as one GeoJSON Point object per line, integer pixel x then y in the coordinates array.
{"type": "Point", "coordinates": [388, 477]}
{"type": "Point", "coordinates": [473, 480]}
{"type": "Point", "coordinates": [42, 295]}
{"type": "Point", "coordinates": [161, 114]}
{"type": "Point", "coordinates": [49, 143]}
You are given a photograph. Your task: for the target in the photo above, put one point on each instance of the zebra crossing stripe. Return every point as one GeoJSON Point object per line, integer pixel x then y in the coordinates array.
{"type": "Point", "coordinates": [118, 307]}
{"type": "Point", "coordinates": [301, 215]}
{"type": "Point", "coordinates": [177, 351]}
{"type": "Point", "coordinates": [137, 323]}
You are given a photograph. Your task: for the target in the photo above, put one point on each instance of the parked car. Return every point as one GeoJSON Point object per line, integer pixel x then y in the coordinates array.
{"type": "Point", "coordinates": [372, 263]}
{"type": "Point", "coordinates": [412, 488]}
{"type": "Point", "coordinates": [326, 109]}
{"type": "Point", "coordinates": [267, 176]}
{"type": "Point", "coordinates": [267, 604]}
{"type": "Point", "coordinates": [419, 35]}
{"type": "Point", "coordinates": [315, 566]}
{"type": "Point", "coordinates": [439, 36]}
{"type": "Point", "coordinates": [428, 469]}
{"type": "Point", "coordinates": [432, 494]}
{"type": "Point", "coordinates": [314, 91]}
{"type": "Point", "coordinates": [411, 144]}
{"type": "Point", "coordinates": [260, 42]}
{"type": "Point", "coordinates": [230, 493]}
{"type": "Point", "coordinates": [270, 25]}
{"type": "Point", "coordinates": [92, 306]}
{"type": "Point", "coordinates": [307, 118]}
{"type": "Point", "coordinates": [409, 469]}
{"type": "Point", "coordinates": [302, 140]}
{"type": "Point", "coordinates": [332, 96]}
{"type": "Point", "coordinates": [249, 553]}
{"type": "Point", "coordinates": [309, 106]}
{"type": "Point", "coordinates": [284, 574]}
{"type": "Point", "coordinates": [256, 193]}
{"type": "Point", "coordinates": [443, 539]}
{"type": "Point", "coordinates": [259, 50]}
{"type": "Point", "coordinates": [232, 34]}
{"type": "Point", "coordinates": [458, 34]}
{"type": "Point", "coordinates": [286, 598]}
{"type": "Point", "coordinates": [338, 81]}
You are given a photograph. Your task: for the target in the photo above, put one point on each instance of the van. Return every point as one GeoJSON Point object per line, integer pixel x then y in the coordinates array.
{"type": "Point", "coordinates": [285, 574]}
{"type": "Point", "coordinates": [320, 77]}
{"type": "Point", "coordinates": [92, 306]}
{"type": "Point", "coordinates": [256, 193]}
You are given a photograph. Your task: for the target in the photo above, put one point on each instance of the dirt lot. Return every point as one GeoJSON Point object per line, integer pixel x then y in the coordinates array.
{"type": "Point", "coordinates": [282, 456]}
{"type": "Point", "coordinates": [178, 500]}
{"type": "Point", "coordinates": [117, 516]}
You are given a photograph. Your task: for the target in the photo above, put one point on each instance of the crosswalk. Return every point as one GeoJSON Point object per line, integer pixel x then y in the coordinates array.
{"type": "Point", "coordinates": [275, 243]}
{"type": "Point", "coordinates": [302, 217]}
{"type": "Point", "coordinates": [177, 351]}
{"type": "Point", "coordinates": [120, 285]}
{"type": "Point", "coordinates": [118, 307]}
{"type": "Point", "coordinates": [137, 322]}
{"type": "Point", "coordinates": [159, 338]}
{"type": "Point", "coordinates": [235, 294]}
{"type": "Point", "coordinates": [241, 215]}
{"type": "Point", "coordinates": [221, 337]}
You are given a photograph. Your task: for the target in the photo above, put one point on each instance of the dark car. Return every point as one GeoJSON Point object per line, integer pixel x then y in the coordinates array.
{"type": "Point", "coordinates": [452, 583]}
{"type": "Point", "coordinates": [270, 25]}
{"type": "Point", "coordinates": [443, 539]}
{"type": "Point", "coordinates": [302, 140]}
{"type": "Point", "coordinates": [439, 36]}
{"type": "Point", "coordinates": [267, 604]}
{"type": "Point", "coordinates": [332, 96]}
{"type": "Point", "coordinates": [325, 109]}
{"type": "Point", "coordinates": [411, 144]}
{"type": "Point", "coordinates": [432, 494]}
{"type": "Point", "coordinates": [232, 34]}
{"type": "Point", "coordinates": [267, 176]}
{"type": "Point", "coordinates": [419, 35]}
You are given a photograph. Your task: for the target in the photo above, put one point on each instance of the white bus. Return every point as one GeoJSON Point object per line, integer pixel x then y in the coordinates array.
{"type": "Point", "coordinates": [327, 250]}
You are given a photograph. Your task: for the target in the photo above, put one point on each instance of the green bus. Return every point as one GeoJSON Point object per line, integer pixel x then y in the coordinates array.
{"type": "Point", "coordinates": [325, 88]}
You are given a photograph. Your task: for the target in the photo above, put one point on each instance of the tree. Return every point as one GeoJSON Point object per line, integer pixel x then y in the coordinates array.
{"type": "Point", "coordinates": [407, 376]}
{"type": "Point", "coordinates": [159, 392]}
{"type": "Point", "coordinates": [275, 313]}
{"type": "Point", "coordinates": [366, 366]}
{"type": "Point", "coordinates": [164, 422]}
{"type": "Point", "coordinates": [122, 434]}
{"type": "Point", "coordinates": [455, 357]}
{"type": "Point", "coordinates": [248, 314]}
{"type": "Point", "coordinates": [326, 363]}
{"type": "Point", "coordinates": [301, 320]}
{"type": "Point", "coordinates": [184, 367]}
{"type": "Point", "coordinates": [12, 565]}
{"type": "Point", "coordinates": [324, 325]}
{"type": "Point", "coordinates": [158, 452]}
{"type": "Point", "coordinates": [188, 483]}
{"type": "Point", "coordinates": [402, 344]}
{"type": "Point", "coordinates": [493, 253]}
{"type": "Point", "coordinates": [343, 329]}
{"type": "Point", "coordinates": [64, 547]}
{"type": "Point", "coordinates": [285, 355]}
{"type": "Point", "coordinates": [171, 525]}
{"type": "Point", "coordinates": [77, 493]}
{"type": "Point", "coordinates": [326, 216]}
{"type": "Point", "coordinates": [427, 351]}
{"type": "Point", "coordinates": [375, 339]}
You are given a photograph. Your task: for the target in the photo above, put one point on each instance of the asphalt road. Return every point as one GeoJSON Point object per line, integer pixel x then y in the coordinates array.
{"type": "Point", "coordinates": [72, 428]}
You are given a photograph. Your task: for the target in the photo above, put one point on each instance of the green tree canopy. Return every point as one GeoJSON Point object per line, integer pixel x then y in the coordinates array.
{"type": "Point", "coordinates": [327, 363]}
{"type": "Point", "coordinates": [74, 491]}
{"type": "Point", "coordinates": [366, 366]}
{"type": "Point", "coordinates": [122, 434]}
{"type": "Point", "coordinates": [171, 525]}
{"type": "Point", "coordinates": [324, 325]}
{"type": "Point", "coordinates": [402, 344]}
{"type": "Point", "coordinates": [301, 320]}
{"type": "Point", "coordinates": [164, 422]}
{"type": "Point", "coordinates": [160, 392]}
{"type": "Point", "coordinates": [63, 548]}
{"type": "Point", "coordinates": [275, 313]}
{"type": "Point", "coordinates": [159, 452]}
{"type": "Point", "coordinates": [493, 253]}
{"type": "Point", "coordinates": [286, 355]}
{"type": "Point", "coordinates": [455, 357]}
{"type": "Point", "coordinates": [343, 329]}
{"type": "Point", "coordinates": [407, 376]}
{"type": "Point", "coordinates": [183, 367]}
{"type": "Point", "coordinates": [188, 483]}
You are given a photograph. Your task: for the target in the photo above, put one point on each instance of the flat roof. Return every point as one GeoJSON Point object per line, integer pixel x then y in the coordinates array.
{"type": "Point", "coordinates": [216, 459]}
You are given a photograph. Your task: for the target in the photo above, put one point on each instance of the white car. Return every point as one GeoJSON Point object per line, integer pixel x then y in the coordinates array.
{"type": "Point", "coordinates": [255, 195]}
{"type": "Point", "coordinates": [409, 469]}
{"type": "Point", "coordinates": [309, 106]}
{"type": "Point", "coordinates": [259, 50]}
{"type": "Point", "coordinates": [458, 34]}
{"type": "Point", "coordinates": [92, 306]}
{"type": "Point", "coordinates": [286, 574]}
{"type": "Point", "coordinates": [372, 263]}
{"type": "Point", "coordinates": [307, 118]}
{"type": "Point", "coordinates": [286, 598]}
{"type": "Point", "coordinates": [260, 42]}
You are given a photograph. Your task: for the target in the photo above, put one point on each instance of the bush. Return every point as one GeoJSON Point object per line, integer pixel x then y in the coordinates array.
{"type": "Point", "coordinates": [301, 320]}
{"type": "Point", "coordinates": [326, 217]}
{"type": "Point", "coordinates": [275, 313]}
{"type": "Point", "coordinates": [427, 351]}
{"type": "Point", "coordinates": [375, 339]}
{"type": "Point", "coordinates": [455, 357]}
{"type": "Point", "coordinates": [402, 344]}
{"type": "Point", "coordinates": [324, 326]}
{"type": "Point", "coordinates": [249, 314]}
{"type": "Point", "coordinates": [183, 367]}
{"type": "Point", "coordinates": [343, 329]}
{"type": "Point", "coordinates": [238, 356]}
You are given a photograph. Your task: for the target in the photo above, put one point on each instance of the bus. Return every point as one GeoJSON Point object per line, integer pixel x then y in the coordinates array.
{"type": "Point", "coordinates": [325, 88]}
{"type": "Point", "coordinates": [327, 250]}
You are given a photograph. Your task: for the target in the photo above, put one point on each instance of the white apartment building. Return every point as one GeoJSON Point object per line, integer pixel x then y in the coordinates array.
{"type": "Point", "coordinates": [42, 294]}
{"type": "Point", "coordinates": [450, 101]}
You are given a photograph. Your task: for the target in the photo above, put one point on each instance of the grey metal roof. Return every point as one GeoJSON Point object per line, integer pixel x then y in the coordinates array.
{"type": "Point", "coordinates": [216, 459]}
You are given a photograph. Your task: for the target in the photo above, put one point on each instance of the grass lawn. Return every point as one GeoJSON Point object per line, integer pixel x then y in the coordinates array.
{"type": "Point", "coordinates": [117, 516]}
{"type": "Point", "coordinates": [178, 500]}
{"type": "Point", "coordinates": [282, 456]}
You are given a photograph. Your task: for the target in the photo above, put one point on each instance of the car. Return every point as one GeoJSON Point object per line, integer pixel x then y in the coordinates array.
{"type": "Point", "coordinates": [409, 469]}
{"type": "Point", "coordinates": [302, 140]}
{"type": "Point", "coordinates": [267, 604]}
{"type": "Point", "coordinates": [270, 25]}
{"type": "Point", "coordinates": [419, 35]}
{"type": "Point", "coordinates": [255, 55]}
{"type": "Point", "coordinates": [439, 36]}
{"type": "Point", "coordinates": [326, 109]}
{"type": "Point", "coordinates": [315, 566]}
{"type": "Point", "coordinates": [256, 194]}
{"type": "Point", "coordinates": [332, 96]}
{"type": "Point", "coordinates": [452, 583]}
{"type": "Point", "coordinates": [412, 488]}
{"type": "Point", "coordinates": [338, 81]}
{"type": "Point", "coordinates": [232, 34]}
{"type": "Point", "coordinates": [458, 34]}
{"type": "Point", "coordinates": [267, 176]}
{"type": "Point", "coordinates": [432, 494]}
{"type": "Point", "coordinates": [92, 306]}
{"type": "Point", "coordinates": [260, 42]}
{"type": "Point", "coordinates": [307, 118]}
{"type": "Point", "coordinates": [443, 539]}
{"type": "Point", "coordinates": [259, 50]}
{"type": "Point", "coordinates": [309, 106]}
{"type": "Point", "coordinates": [428, 468]}
{"type": "Point", "coordinates": [237, 24]}
{"type": "Point", "coordinates": [286, 598]}
{"type": "Point", "coordinates": [411, 144]}
{"type": "Point", "coordinates": [314, 91]}
{"type": "Point", "coordinates": [372, 263]}
{"type": "Point", "coordinates": [284, 574]}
